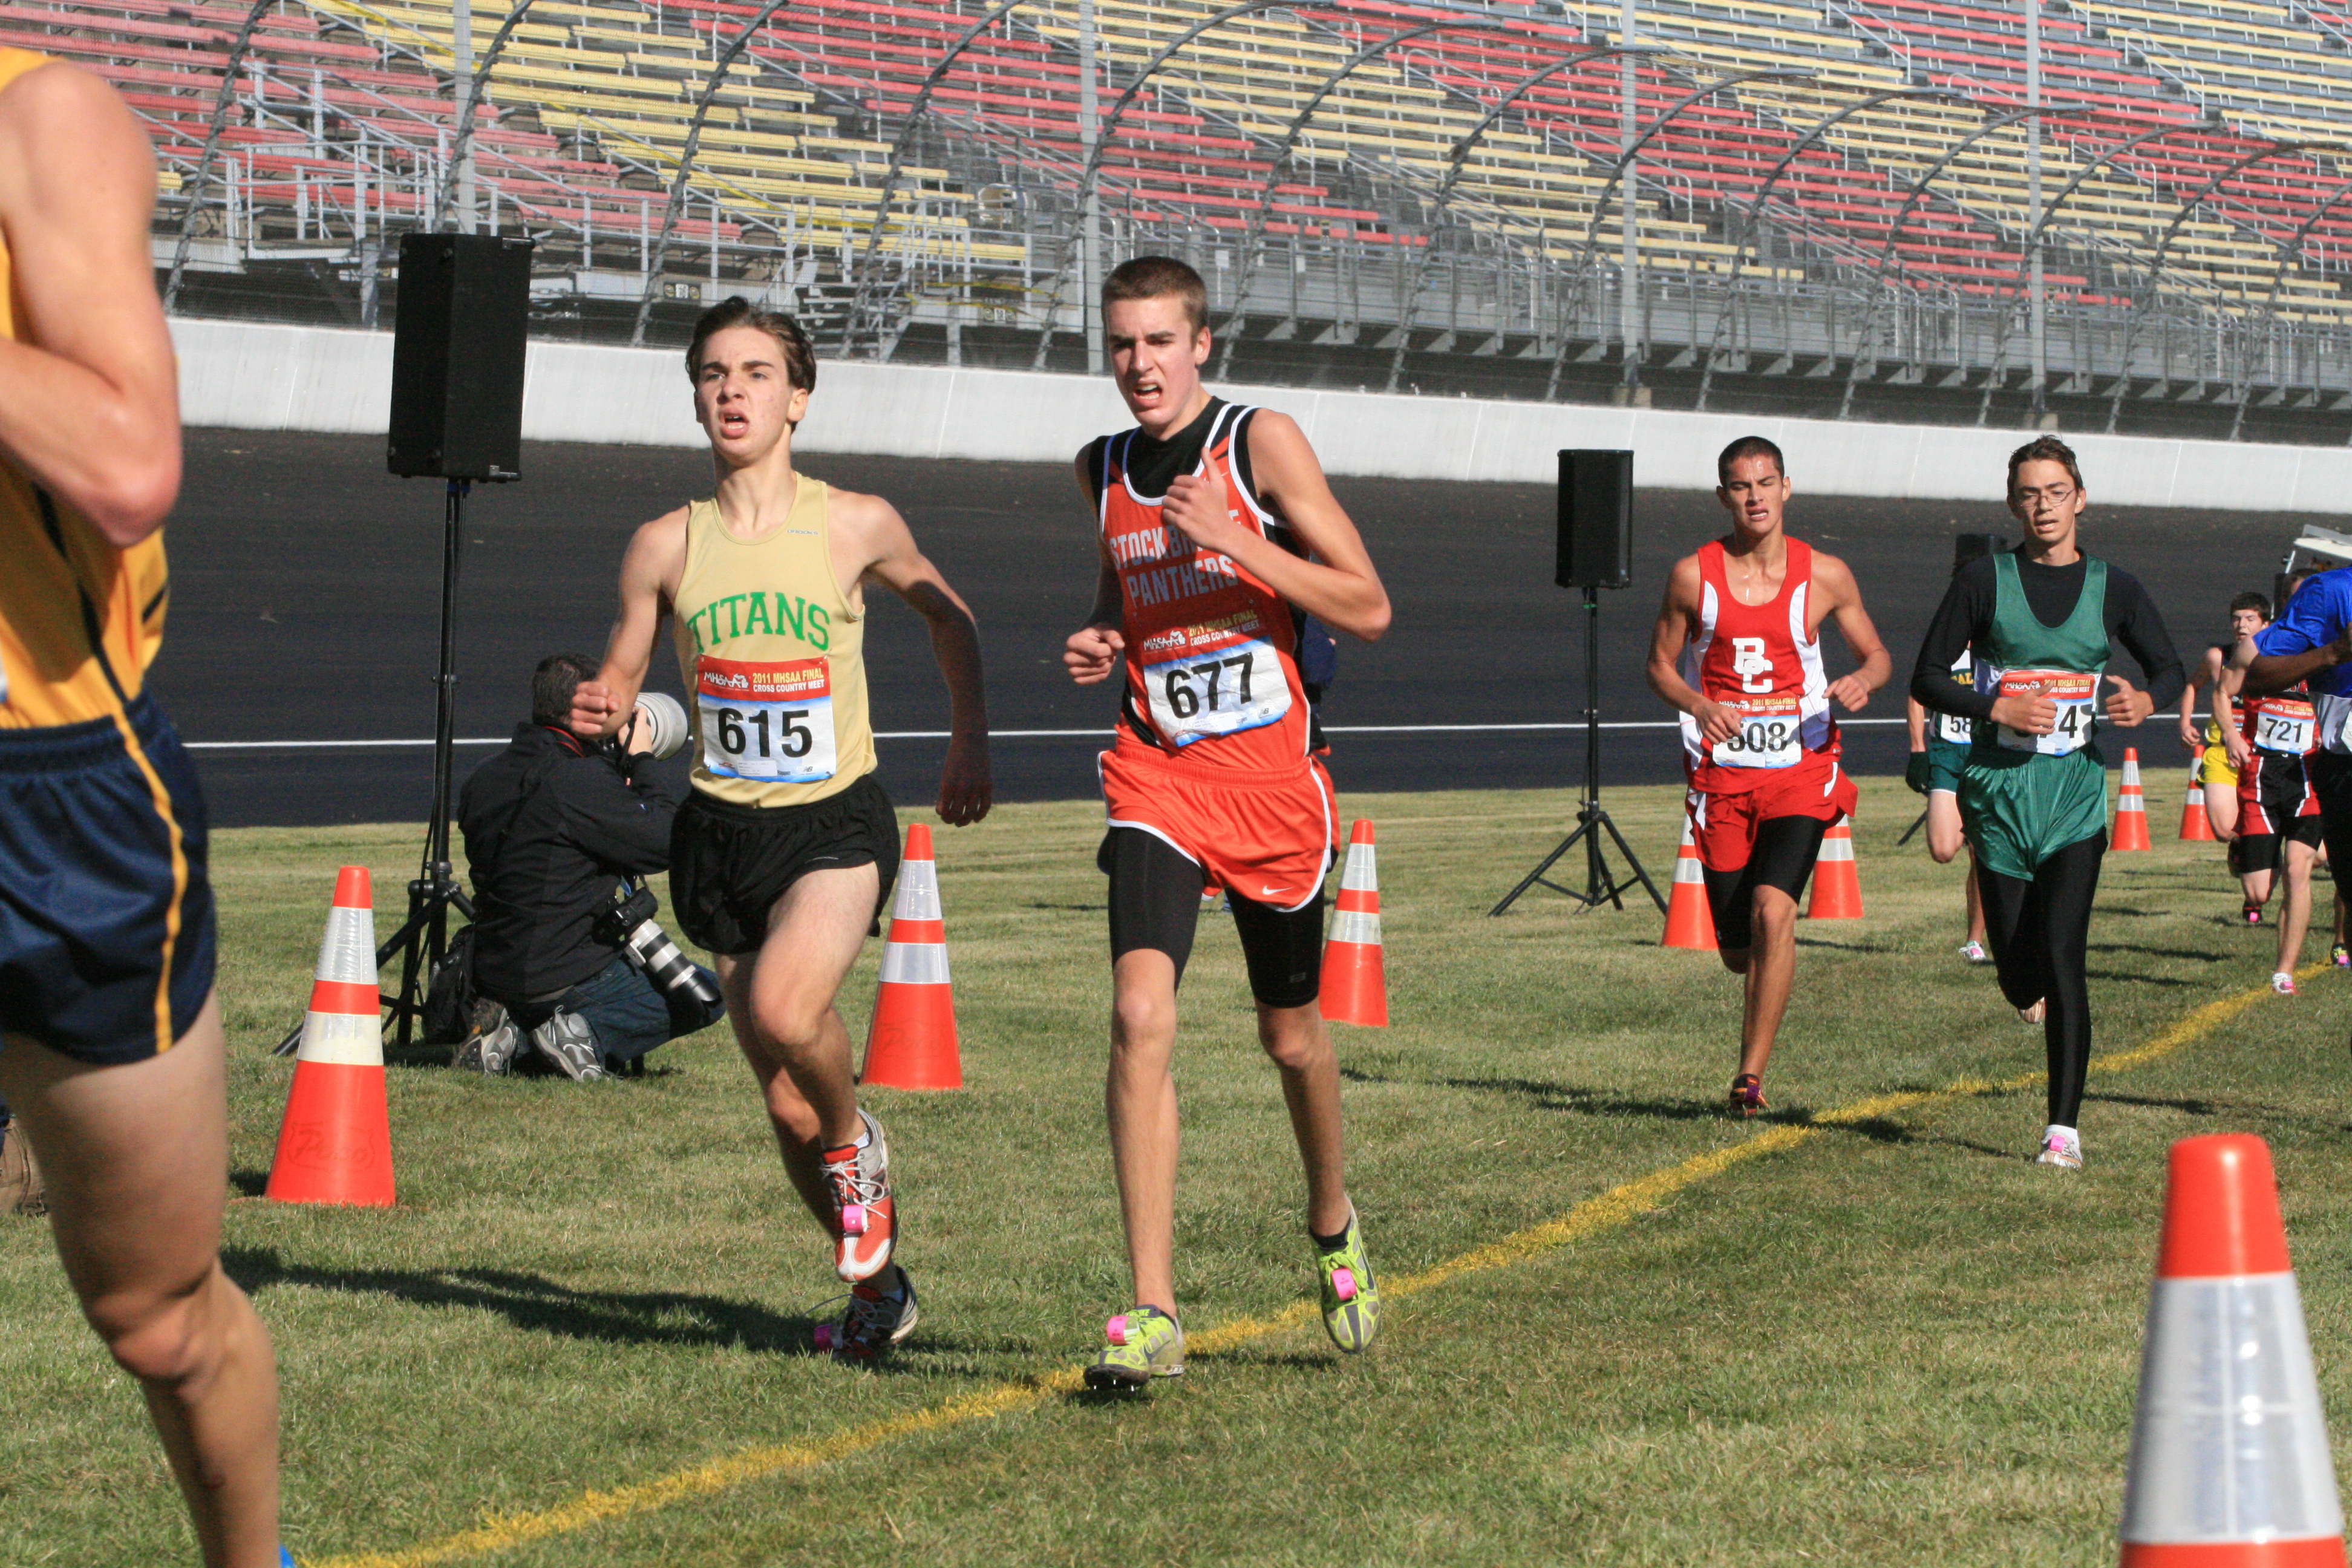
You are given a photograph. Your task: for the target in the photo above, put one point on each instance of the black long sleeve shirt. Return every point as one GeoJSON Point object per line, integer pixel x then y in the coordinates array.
{"type": "Point", "coordinates": [1965, 620]}
{"type": "Point", "coordinates": [551, 829]}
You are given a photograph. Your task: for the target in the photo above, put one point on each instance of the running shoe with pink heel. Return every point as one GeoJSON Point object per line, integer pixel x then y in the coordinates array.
{"type": "Point", "coordinates": [1746, 1097]}
{"type": "Point", "coordinates": [882, 1311]}
{"type": "Point", "coordinates": [2282, 984]}
{"type": "Point", "coordinates": [1351, 1297]}
{"type": "Point", "coordinates": [866, 1230]}
{"type": "Point", "coordinates": [1140, 1344]}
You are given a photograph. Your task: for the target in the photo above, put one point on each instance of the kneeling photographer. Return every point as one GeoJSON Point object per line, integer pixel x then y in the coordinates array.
{"type": "Point", "coordinates": [559, 829]}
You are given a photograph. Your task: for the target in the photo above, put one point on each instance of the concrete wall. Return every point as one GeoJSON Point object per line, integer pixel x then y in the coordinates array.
{"type": "Point", "coordinates": [248, 375]}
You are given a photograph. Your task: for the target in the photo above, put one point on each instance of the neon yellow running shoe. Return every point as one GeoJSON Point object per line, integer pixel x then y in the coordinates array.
{"type": "Point", "coordinates": [1351, 1298]}
{"type": "Point", "coordinates": [1144, 1343]}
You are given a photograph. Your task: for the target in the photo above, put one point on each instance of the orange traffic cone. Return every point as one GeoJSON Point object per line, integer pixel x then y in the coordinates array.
{"type": "Point", "coordinates": [2195, 827]}
{"type": "Point", "coordinates": [1355, 990]}
{"type": "Point", "coordinates": [1837, 885]}
{"type": "Point", "coordinates": [335, 1143]}
{"type": "Point", "coordinates": [2131, 807]}
{"type": "Point", "coordinates": [2230, 1463]}
{"type": "Point", "coordinates": [912, 1043]}
{"type": "Point", "coordinates": [1689, 922]}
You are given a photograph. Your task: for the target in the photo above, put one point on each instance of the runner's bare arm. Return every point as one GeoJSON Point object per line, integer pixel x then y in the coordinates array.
{"type": "Point", "coordinates": [1092, 651]}
{"type": "Point", "coordinates": [1916, 718]}
{"type": "Point", "coordinates": [2259, 675]}
{"type": "Point", "coordinates": [1842, 600]}
{"type": "Point", "coordinates": [89, 396]}
{"type": "Point", "coordinates": [1336, 583]}
{"type": "Point", "coordinates": [650, 571]}
{"type": "Point", "coordinates": [2198, 678]}
{"type": "Point", "coordinates": [966, 789]}
{"type": "Point", "coordinates": [1677, 617]}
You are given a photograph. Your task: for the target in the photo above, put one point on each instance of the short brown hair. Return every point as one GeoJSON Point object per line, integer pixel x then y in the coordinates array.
{"type": "Point", "coordinates": [2045, 450]}
{"type": "Point", "coordinates": [1748, 446]}
{"type": "Point", "coordinates": [1156, 278]}
{"type": "Point", "coordinates": [799, 356]}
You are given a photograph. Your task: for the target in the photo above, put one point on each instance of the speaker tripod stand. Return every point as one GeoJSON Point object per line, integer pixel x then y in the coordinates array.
{"type": "Point", "coordinates": [423, 938]}
{"type": "Point", "coordinates": [1600, 884]}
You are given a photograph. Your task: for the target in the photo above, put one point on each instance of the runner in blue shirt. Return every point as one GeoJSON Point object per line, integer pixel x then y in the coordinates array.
{"type": "Point", "coordinates": [2311, 642]}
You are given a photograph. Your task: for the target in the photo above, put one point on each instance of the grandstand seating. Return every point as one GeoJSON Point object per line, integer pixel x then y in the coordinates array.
{"type": "Point", "coordinates": [344, 110]}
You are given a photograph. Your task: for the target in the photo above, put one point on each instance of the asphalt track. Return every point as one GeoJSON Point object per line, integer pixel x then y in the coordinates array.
{"type": "Point", "coordinates": [306, 602]}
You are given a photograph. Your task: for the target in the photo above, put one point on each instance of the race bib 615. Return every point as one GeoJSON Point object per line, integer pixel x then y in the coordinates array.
{"type": "Point", "coordinates": [767, 721]}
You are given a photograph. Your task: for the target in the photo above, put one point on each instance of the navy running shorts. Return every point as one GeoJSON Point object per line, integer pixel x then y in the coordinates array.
{"type": "Point", "coordinates": [107, 932]}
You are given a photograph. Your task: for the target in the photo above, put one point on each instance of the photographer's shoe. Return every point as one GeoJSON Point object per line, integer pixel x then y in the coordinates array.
{"type": "Point", "coordinates": [21, 1189]}
{"type": "Point", "coordinates": [493, 1053]}
{"type": "Point", "coordinates": [566, 1040]}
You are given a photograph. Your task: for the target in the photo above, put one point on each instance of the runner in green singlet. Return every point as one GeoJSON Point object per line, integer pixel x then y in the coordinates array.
{"type": "Point", "coordinates": [2034, 794]}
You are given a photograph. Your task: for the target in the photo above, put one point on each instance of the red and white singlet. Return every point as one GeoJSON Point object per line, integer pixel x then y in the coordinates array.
{"type": "Point", "coordinates": [1765, 662]}
{"type": "Point", "coordinates": [1214, 749]}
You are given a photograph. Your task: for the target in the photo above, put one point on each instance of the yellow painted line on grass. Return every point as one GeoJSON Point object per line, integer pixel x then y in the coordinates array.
{"type": "Point", "coordinates": [1618, 1206]}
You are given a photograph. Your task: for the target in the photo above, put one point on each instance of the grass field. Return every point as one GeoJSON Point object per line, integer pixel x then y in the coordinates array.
{"type": "Point", "coordinates": [1623, 1330]}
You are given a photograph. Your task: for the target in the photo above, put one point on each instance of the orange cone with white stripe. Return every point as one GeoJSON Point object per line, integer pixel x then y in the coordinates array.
{"type": "Point", "coordinates": [2195, 827]}
{"type": "Point", "coordinates": [1354, 989]}
{"type": "Point", "coordinates": [2230, 1463]}
{"type": "Point", "coordinates": [2131, 807]}
{"type": "Point", "coordinates": [912, 1042]}
{"type": "Point", "coordinates": [335, 1144]}
{"type": "Point", "coordinates": [1837, 884]}
{"type": "Point", "coordinates": [1689, 922]}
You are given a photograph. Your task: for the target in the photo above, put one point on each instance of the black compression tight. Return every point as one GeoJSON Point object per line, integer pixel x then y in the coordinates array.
{"type": "Point", "coordinates": [2040, 933]}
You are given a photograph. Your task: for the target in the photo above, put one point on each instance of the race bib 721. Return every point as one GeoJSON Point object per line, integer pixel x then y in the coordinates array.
{"type": "Point", "coordinates": [2071, 690]}
{"type": "Point", "coordinates": [769, 721]}
{"type": "Point", "coordinates": [2285, 724]}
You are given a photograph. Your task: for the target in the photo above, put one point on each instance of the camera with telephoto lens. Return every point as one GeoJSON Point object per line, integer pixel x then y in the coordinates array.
{"type": "Point", "coordinates": [630, 922]}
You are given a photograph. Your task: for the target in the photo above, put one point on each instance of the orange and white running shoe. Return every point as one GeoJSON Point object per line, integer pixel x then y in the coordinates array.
{"type": "Point", "coordinates": [866, 1228]}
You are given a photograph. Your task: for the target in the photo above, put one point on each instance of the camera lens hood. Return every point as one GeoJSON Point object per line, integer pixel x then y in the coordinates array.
{"type": "Point", "coordinates": [663, 718]}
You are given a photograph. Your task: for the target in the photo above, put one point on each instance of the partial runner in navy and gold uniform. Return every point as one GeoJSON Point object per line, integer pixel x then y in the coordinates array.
{"type": "Point", "coordinates": [2279, 822]}
{"type": "Point", "coordinates": [1742, 617]}
{"type": "Point", "coordinates": [2039, 621]}
{"type": "Point", "coordinates": [786, 846]}
{"type": "Point", "coordinates": [1218, 539]}
{"type": "Point", "coordinates": [111, 1045]}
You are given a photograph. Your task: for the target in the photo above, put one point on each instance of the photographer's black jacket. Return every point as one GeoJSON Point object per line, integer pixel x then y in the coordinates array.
{"type": "Point", "coordinates": [551, 826]}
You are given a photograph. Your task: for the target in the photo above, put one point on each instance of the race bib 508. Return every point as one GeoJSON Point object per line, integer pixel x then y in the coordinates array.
{"type": "Point", "coordinates": [1771, 734]}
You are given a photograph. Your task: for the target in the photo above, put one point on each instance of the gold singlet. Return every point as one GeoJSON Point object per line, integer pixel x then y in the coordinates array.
{"type": "Point", "coordinates": [62, 579]}
{"type": "Point", "coordinates": [774, 659]}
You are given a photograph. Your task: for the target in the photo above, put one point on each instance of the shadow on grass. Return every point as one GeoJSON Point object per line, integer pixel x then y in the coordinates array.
{"type": "Point", "coordinates": [2117, 975]}
{"type": "Point", "coordinates": [2179, 953]}
{"type": "Point", "coordinates": [533, 1302]}
{"type": "Point", "coordinates": [1548, 1095]}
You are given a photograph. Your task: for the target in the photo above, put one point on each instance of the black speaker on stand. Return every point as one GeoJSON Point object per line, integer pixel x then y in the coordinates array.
{"type": "Point", "coordinates": [1596, 552]}
{"type": "Point", "coordinates": [458, 351]}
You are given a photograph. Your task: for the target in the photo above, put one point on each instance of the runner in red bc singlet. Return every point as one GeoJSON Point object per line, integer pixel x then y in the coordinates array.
{"type": "Point", "coordinates": [1743, 617]}
{"type": "Point", "coordinates": [1219, 541]}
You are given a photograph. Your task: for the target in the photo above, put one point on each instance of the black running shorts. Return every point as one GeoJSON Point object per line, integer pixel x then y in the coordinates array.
{"type": "Point", "coordinates": [1155, 903]}
{"type": "Point", "coordinates": [728, 864]}
{"type": "Point", "coordinates": [107, 937]}
{"type": "Point", "coordinates": [1785, 850]}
